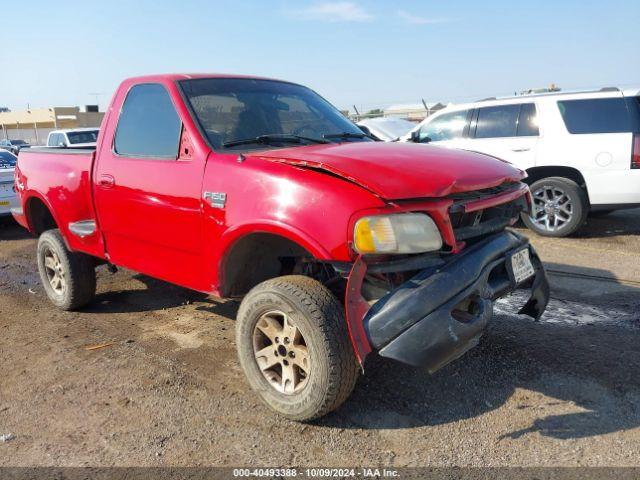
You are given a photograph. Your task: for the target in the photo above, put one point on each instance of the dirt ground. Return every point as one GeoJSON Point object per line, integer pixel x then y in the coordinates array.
{"type": "Point", "coordinates": [169, 391]}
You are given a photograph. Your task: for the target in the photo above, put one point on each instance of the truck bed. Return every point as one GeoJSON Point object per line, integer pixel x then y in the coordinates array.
{"type": "Point", "coordinates": [61, 179]}
{"type": "Point", "coordinates": [61, 150]}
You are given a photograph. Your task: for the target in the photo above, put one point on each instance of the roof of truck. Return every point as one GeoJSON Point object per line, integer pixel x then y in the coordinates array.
{"type": "Point", "coordinates": [188, 76]}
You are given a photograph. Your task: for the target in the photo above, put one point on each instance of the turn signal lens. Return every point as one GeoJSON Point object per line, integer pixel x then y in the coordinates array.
{"type": "Point", "coordinates": [400, 233]}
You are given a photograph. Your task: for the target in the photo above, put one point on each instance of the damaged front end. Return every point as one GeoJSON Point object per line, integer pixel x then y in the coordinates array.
{"type": "Point", "coordinates": [432, 317]}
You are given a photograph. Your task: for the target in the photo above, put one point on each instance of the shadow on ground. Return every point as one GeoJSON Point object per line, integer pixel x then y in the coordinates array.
{"type": "Point", "coordinates": [586, 362]}
{"type": "Point", "coordinates": [573, 356]}
{"type": "Point", "coordinates": [10, 230]}
{"type": "Point", "coordinates": [620, 222]}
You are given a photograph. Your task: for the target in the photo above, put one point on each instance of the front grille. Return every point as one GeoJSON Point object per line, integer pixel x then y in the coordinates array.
{"type": "Point", "coordinates": [479, 224]}
{"type": "Point", "coordinates": [484, 193]}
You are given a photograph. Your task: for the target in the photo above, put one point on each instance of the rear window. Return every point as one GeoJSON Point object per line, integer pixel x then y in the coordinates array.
{"type": "Point", "coordinates": [88, 136]}
{"type": "Point", "coordinates": [597, 115]}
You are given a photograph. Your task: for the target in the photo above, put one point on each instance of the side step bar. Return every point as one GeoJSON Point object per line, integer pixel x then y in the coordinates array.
{"type": "Point", "coordinates": [83, 228]}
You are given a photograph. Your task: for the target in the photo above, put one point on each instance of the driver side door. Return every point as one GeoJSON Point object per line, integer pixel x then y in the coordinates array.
{"type": "Point", "coordinates": [148, 192]}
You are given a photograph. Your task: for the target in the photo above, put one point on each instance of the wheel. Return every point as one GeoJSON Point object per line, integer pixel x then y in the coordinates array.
{"type": "Point", "coordinates": [69, 278]}
{"type": "Point", "coordinates": [560, 207]}
{"type": "Point", "coordinates": [294, 348]}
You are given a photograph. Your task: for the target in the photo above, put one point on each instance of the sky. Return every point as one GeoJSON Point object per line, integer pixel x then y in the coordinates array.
{"type": "Point", "coordinates": [364, 53]}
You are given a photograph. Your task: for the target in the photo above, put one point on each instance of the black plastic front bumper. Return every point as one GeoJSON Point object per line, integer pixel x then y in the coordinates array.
{"type": "Point", "coordinates": [441, 312]}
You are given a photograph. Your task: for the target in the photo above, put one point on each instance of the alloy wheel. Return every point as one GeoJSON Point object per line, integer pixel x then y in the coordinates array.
{"type": "Point", "coordinates": [552, 208]}
{"type": "Point", "coordinates": [281, 352]}
{"type": "Point", "coordinates": [55, 271]}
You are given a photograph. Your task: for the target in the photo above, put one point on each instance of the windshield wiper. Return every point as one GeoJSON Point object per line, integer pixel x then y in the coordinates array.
{"type": "Point", "coordinates": [272, 138]}
{"type": "Point", "coordinates": [345, 135]}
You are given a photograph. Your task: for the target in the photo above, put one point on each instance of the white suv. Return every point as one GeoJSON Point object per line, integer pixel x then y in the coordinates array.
{"type": "Point", "coordinates": [581, 150]}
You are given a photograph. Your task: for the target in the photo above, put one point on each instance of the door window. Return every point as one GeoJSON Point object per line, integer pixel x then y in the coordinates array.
{"type": "Point", "coordinates": [447, 126]}
{"type": "Point", "coordinates": [149, 125]}
{"type": "Point", "coordinates": [498, 121]}
{"type": "Point", "coordinates": [528, 121]}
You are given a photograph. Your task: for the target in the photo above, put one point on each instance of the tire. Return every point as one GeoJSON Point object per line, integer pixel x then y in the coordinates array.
{"type": "Point", "coordinates": [318, 319]}
{"type": "Point", "coordinates": [566, 201]}
{"type": "Point", "coordinates": [70, 281]}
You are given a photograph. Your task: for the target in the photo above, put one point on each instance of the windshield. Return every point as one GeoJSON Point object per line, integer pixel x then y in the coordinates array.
{"type": "Point", "coordinates": [7, 159]}
{"type": "Point", "coordinates": [18, 142]}
{"type": "Point", "coordinates": [390, 128]}
{"type": "Point", "coordinates": [234, 109]}
{"type": "Point", "coordinates": [88, 136]}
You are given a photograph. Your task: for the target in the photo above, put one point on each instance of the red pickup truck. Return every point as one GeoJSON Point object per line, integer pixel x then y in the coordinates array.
{"type": "Point", "coordinates": [249, 187]}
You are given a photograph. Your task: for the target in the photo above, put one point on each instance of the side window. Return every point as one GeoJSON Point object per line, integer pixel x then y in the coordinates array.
{"type": "Point", "coordinates": [447, 126]}
{"type": "Point", "coordinates": [595, 115]}
{"type": "Point", "coordinates": [149, 125]}
{"type": "Point", "coordinates": [528, 121]}
{"type": "Point", "coordinates": [498, 121]}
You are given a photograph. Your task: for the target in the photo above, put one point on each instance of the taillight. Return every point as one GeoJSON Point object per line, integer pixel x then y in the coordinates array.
{"type": "Point", "coordinates": [635, 153]}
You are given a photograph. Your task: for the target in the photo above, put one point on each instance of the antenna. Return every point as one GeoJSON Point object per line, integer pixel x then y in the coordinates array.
{"type": "Point", "coordinates": [97, 95]}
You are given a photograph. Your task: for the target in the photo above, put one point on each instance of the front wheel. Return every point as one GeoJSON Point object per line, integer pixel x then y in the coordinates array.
{"type": "Point", "coordinates": [560, 207]}
{"type": "Point", "coordinates": [294, 348]}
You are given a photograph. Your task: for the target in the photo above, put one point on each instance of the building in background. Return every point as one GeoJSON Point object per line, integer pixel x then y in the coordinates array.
{"type": "Point", "coordinates": [34, 125]}
{"type": "Point", "coordinates": [414, 112]}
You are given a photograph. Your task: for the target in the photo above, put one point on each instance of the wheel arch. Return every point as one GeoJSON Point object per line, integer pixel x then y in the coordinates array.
{"type": "Point", "coordinates": [538, 173]}
{"type": "Point", "coordinates": [253, 255]}
{"type": "Point", "coordinates": [39, 215]}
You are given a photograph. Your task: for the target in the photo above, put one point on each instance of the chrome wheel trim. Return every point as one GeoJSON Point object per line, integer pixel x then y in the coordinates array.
{"type": "Point", "coordinates": [281, 352]}
{"type": "Point", "coordinates": [54, 270]}
{"type": "Point", "coordinates": [552, 208]}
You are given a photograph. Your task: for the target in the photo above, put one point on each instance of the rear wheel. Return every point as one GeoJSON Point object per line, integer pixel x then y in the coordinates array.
{"type": "Point", "coordinates": [560, 207]}
{"type": "Point", "coordinates": [68, 278]}
{"type": "Point", "coordinates": [294, 347]}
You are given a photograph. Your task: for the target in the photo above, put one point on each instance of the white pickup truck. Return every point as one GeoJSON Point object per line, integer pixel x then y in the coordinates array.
{"type": "Point", "coordinates": [77, 138]}
{"type": "Point", "coordinates": [581, 150]}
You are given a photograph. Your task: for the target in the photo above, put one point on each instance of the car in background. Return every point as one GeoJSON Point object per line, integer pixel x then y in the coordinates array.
{"type": "Point", "coordinates": [581, 150]}
{"type": "Point", "coordinates": [8, 198]}
{"type": "Point", "coordinates": [388, 129]}
{"type": "Point", "coordinates": [13, 146]}
{"type": "Point", "coordinates": [77, 137]}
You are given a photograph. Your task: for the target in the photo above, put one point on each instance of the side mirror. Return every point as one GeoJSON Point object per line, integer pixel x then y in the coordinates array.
{"type": "Point", "coordinates": [416, 138]}
{"type": "Point", "coordinates": [365, 129]}
{"type": "Point", "coordinates": [62, 145]}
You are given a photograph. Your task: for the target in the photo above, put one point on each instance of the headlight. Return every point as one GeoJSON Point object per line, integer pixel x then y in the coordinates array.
{"type": "Point", "coordinates": [399, 233]}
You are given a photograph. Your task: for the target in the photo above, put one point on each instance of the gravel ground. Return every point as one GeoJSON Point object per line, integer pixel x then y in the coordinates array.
{"type": "Point", "coordinates": [169, 391]}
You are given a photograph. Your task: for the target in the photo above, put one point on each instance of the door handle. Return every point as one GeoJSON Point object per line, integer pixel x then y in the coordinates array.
{"type": "Point", "coordinates": [520, 149]}
{"type": "Point", "coordinates": [106, 181]}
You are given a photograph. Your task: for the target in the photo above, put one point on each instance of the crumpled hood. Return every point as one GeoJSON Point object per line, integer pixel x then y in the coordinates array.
{"type": "Point", "coordinates": [397, 171]}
